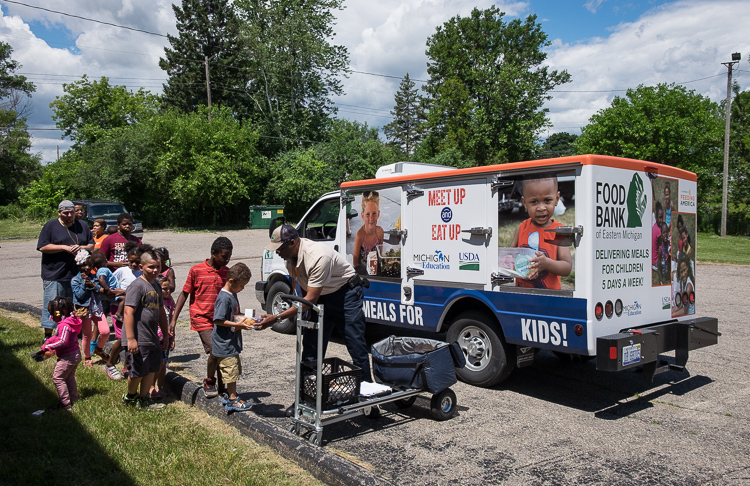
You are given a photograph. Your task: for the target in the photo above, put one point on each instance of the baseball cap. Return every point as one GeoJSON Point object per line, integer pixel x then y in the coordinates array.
{"type": "Point", "coordinates": [65, 205]}
{"type": "Point", "coordinates": [281, 235]}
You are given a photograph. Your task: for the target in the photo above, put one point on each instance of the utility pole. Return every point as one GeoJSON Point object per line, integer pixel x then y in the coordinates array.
{"type": "Point", "coordinates": [208, 88]}
{"type": "Point", "coordinates": [730, 65]}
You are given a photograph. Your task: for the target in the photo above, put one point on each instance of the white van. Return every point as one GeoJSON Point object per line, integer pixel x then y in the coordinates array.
{"type": "Point", "coordinates": [442, 261]}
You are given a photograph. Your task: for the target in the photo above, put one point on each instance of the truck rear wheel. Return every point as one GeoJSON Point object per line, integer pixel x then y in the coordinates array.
{"type": "Point", "coordinates": [489, 360]}
{"type": "Point", "coordinates": [274, 305]}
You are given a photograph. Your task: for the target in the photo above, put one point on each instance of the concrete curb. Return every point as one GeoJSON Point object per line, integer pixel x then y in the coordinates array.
{"type": "Point", "coordinates": [21, 307]}
{"type": "Point", "coordinates": [321, 463]}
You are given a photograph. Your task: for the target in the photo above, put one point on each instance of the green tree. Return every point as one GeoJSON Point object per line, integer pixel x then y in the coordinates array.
{"type": "Point", "coordinates": [668, 124]}
{"type": "Point", "coordinates": [558, 144]}
{"type": "Point", "coordinates": [208, 40]}
{"type": "Point", "coordinates": [292, 67]}
{"type": "Point", "coordinates": [20, 167]}
{"type": "Point", "coordinates": [739, 147]}
{"type": "Point", "coordinates": [405, 131]}
{"type": "Point", "coordinates": [88, 109]}
{"type": "Point", "coordinates": [351, 151]}
{"type": "Point", "coordinates": [488, 86]}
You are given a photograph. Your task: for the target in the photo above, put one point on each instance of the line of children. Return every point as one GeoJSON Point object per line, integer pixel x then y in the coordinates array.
{"type": "Point", "coordinates": [149, 314]}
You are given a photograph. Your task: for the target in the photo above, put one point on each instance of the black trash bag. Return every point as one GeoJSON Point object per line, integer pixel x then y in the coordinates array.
{"type": "Point", "coordinates": [414, 363]}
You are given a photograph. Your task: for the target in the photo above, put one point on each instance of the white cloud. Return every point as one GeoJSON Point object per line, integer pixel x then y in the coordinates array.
{"type": "Point", "coordinates": [593, 5]}
{"type": "Point", "coordinates": [678, 42]}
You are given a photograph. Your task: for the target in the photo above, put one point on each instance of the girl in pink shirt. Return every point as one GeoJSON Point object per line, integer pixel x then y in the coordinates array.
{"type": "Point", "coordinates": [64, 343]}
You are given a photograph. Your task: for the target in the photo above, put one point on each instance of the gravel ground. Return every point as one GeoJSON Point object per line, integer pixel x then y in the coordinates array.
{"type": "Point", "coordinates": [552, 423]}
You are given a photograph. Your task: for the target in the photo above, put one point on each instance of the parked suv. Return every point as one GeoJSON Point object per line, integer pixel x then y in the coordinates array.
{"type": "Point", "coordinates": [108, 211]}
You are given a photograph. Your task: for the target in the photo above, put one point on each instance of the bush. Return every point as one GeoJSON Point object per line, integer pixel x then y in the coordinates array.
{"type": "Point", "coordinates": [738, 220]}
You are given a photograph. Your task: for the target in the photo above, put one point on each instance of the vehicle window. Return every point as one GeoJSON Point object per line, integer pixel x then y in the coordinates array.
{"type": "Point", "coordinates": [369, 246]}
{"type": "Point", "coordinates": [320, 223]}
{"type": "Point", "coordinates": [106, 210]}
{"type": "Point", "coordinates": [513, 217]}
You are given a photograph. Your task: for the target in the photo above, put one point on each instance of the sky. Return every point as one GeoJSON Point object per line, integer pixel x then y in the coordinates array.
{"type": "Point", "coordinates": [607, 46]}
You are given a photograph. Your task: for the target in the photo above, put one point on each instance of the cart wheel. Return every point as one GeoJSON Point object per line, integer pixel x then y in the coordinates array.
{"type": "Point", "coordinates": [314, 438]}
{"type": "Point", "coordinates": [372, 412]}
{"type": "Point", "coordinates": [294, 428]}
{"type": "Point", "coordinates": [406, 402]}
{"type": "Point", "coordinates": [443, 404]}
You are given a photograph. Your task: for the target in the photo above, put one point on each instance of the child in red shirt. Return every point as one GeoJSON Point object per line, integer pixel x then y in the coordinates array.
{"type": "Point", "coordinates": [203, 284]}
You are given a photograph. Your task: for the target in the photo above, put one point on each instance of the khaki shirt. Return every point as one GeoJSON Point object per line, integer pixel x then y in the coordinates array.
{"type": "Point", "coordinates": [320, 266]}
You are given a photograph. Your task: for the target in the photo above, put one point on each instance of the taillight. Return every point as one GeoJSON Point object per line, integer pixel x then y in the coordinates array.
{"type": "Point", "coordinates": [609, 308]}
{"type": "Point", "coordinates": [599, 311]}
{"type": "Point", "coordinates": [618, 307]}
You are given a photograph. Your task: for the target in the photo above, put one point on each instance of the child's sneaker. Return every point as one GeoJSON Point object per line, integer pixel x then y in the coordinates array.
{"type": "Point", "coordinates": [131, 402]}
{"type": "Point", "coordinates": [225, 399]}
{"type": "Point", "coordinates": [125, 372]}
{"type": "Point", "coordinates": [146, 403]}
{"type": "Point", "coordinates": [237, 405]}
{"type": "Point", "coordinates": [92, 348]}
{"type": "Point", "coordinates": [157, 394]}
{"type": "Point", "coordinates": [209, 388]}
{"type": "Point", "coordinates": [112, 372]}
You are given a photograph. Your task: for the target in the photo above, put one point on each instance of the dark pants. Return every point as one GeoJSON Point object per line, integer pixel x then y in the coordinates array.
{"type": "Point", "coordinates": [342, 310]}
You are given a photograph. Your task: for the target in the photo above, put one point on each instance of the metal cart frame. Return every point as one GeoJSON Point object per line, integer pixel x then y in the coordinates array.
{"type": "Point", "coordinates": [312, 419]}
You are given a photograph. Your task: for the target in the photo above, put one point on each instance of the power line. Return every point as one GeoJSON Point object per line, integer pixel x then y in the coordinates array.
{"type": "Point", "coordinates": [85, 18]}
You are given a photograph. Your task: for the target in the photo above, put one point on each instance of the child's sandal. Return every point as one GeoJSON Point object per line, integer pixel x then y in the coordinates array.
{"type": "Point", "coordinates": [100, 352]}
{"type": "Point", "coordinates": [87, 363]}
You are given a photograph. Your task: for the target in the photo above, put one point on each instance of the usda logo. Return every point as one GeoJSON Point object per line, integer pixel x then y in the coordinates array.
{"type": "Point", "coordinates": [446, 214]}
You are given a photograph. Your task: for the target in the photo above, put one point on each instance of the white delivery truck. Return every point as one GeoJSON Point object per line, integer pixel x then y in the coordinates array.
{"type": "Point", "coordinates": [435, 245]}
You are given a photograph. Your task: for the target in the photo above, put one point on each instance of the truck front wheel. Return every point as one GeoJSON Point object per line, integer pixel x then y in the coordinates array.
{"type": "Point", "coordinates": [275, 305]}
{"type": "Point", "coordinates": [489, 360]}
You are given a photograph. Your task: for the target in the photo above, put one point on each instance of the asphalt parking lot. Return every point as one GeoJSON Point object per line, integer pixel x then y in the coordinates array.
{"type": "Point", "coordinates": [552, 423]}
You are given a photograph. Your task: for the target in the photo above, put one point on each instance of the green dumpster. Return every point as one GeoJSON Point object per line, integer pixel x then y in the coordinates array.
{"type": "Point", "coordinates": [261, 216]}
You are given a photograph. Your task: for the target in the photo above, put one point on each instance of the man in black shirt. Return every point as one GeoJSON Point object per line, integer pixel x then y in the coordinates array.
{"type": "Point", "coordinates": [61, 238]}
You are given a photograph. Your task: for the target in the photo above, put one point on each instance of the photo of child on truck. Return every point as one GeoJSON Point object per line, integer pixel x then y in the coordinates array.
{"type": "Point", "coordinates": [370, 234]}
{"type": "Point", "coordinates": [662, 236]}
{"type": "Point", "coordinates": [553, 259]}
{"type": "Point", "coordinates": [373, 253]}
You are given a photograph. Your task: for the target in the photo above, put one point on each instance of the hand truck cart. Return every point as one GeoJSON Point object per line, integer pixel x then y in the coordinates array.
{"type": "Point", "coordinates": [329, 393]}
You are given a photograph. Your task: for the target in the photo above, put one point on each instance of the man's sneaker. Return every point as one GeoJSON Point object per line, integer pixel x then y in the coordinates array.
{"type": "Point", "coordinates": [131, 402]}
{"type": "Point", "coordinates": [145, 403]}
{"type": "Point", "coordinates": [209, 388]}
{"type": "Point", "coordinates": [112, 372]}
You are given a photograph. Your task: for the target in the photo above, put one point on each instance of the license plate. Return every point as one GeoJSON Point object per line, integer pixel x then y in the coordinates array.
{"type": "Point", "coordinates": [631, 354]}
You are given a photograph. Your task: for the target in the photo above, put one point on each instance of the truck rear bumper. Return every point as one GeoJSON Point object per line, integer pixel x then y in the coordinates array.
{"type": "Point", "coordinates": [642, 347]}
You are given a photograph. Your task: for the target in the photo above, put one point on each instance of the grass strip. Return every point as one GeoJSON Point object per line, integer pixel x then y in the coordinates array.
{"type": "Point", "coordinates": [713, 248]}
{"type": "Point", "coordinates": [104, 442]}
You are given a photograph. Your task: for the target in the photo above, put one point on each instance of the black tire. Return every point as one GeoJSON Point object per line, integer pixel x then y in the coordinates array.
{"type": "Point", "coordinates": [314, 438]}
{"type": "Point", "coordinates": [406, 402]}
{"type": "Point", "coordinates": [443, 404]}
{"type": "Point", "coordinates": [489, 359]}
{"type": "Point", "coordinates": [274, 305]}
